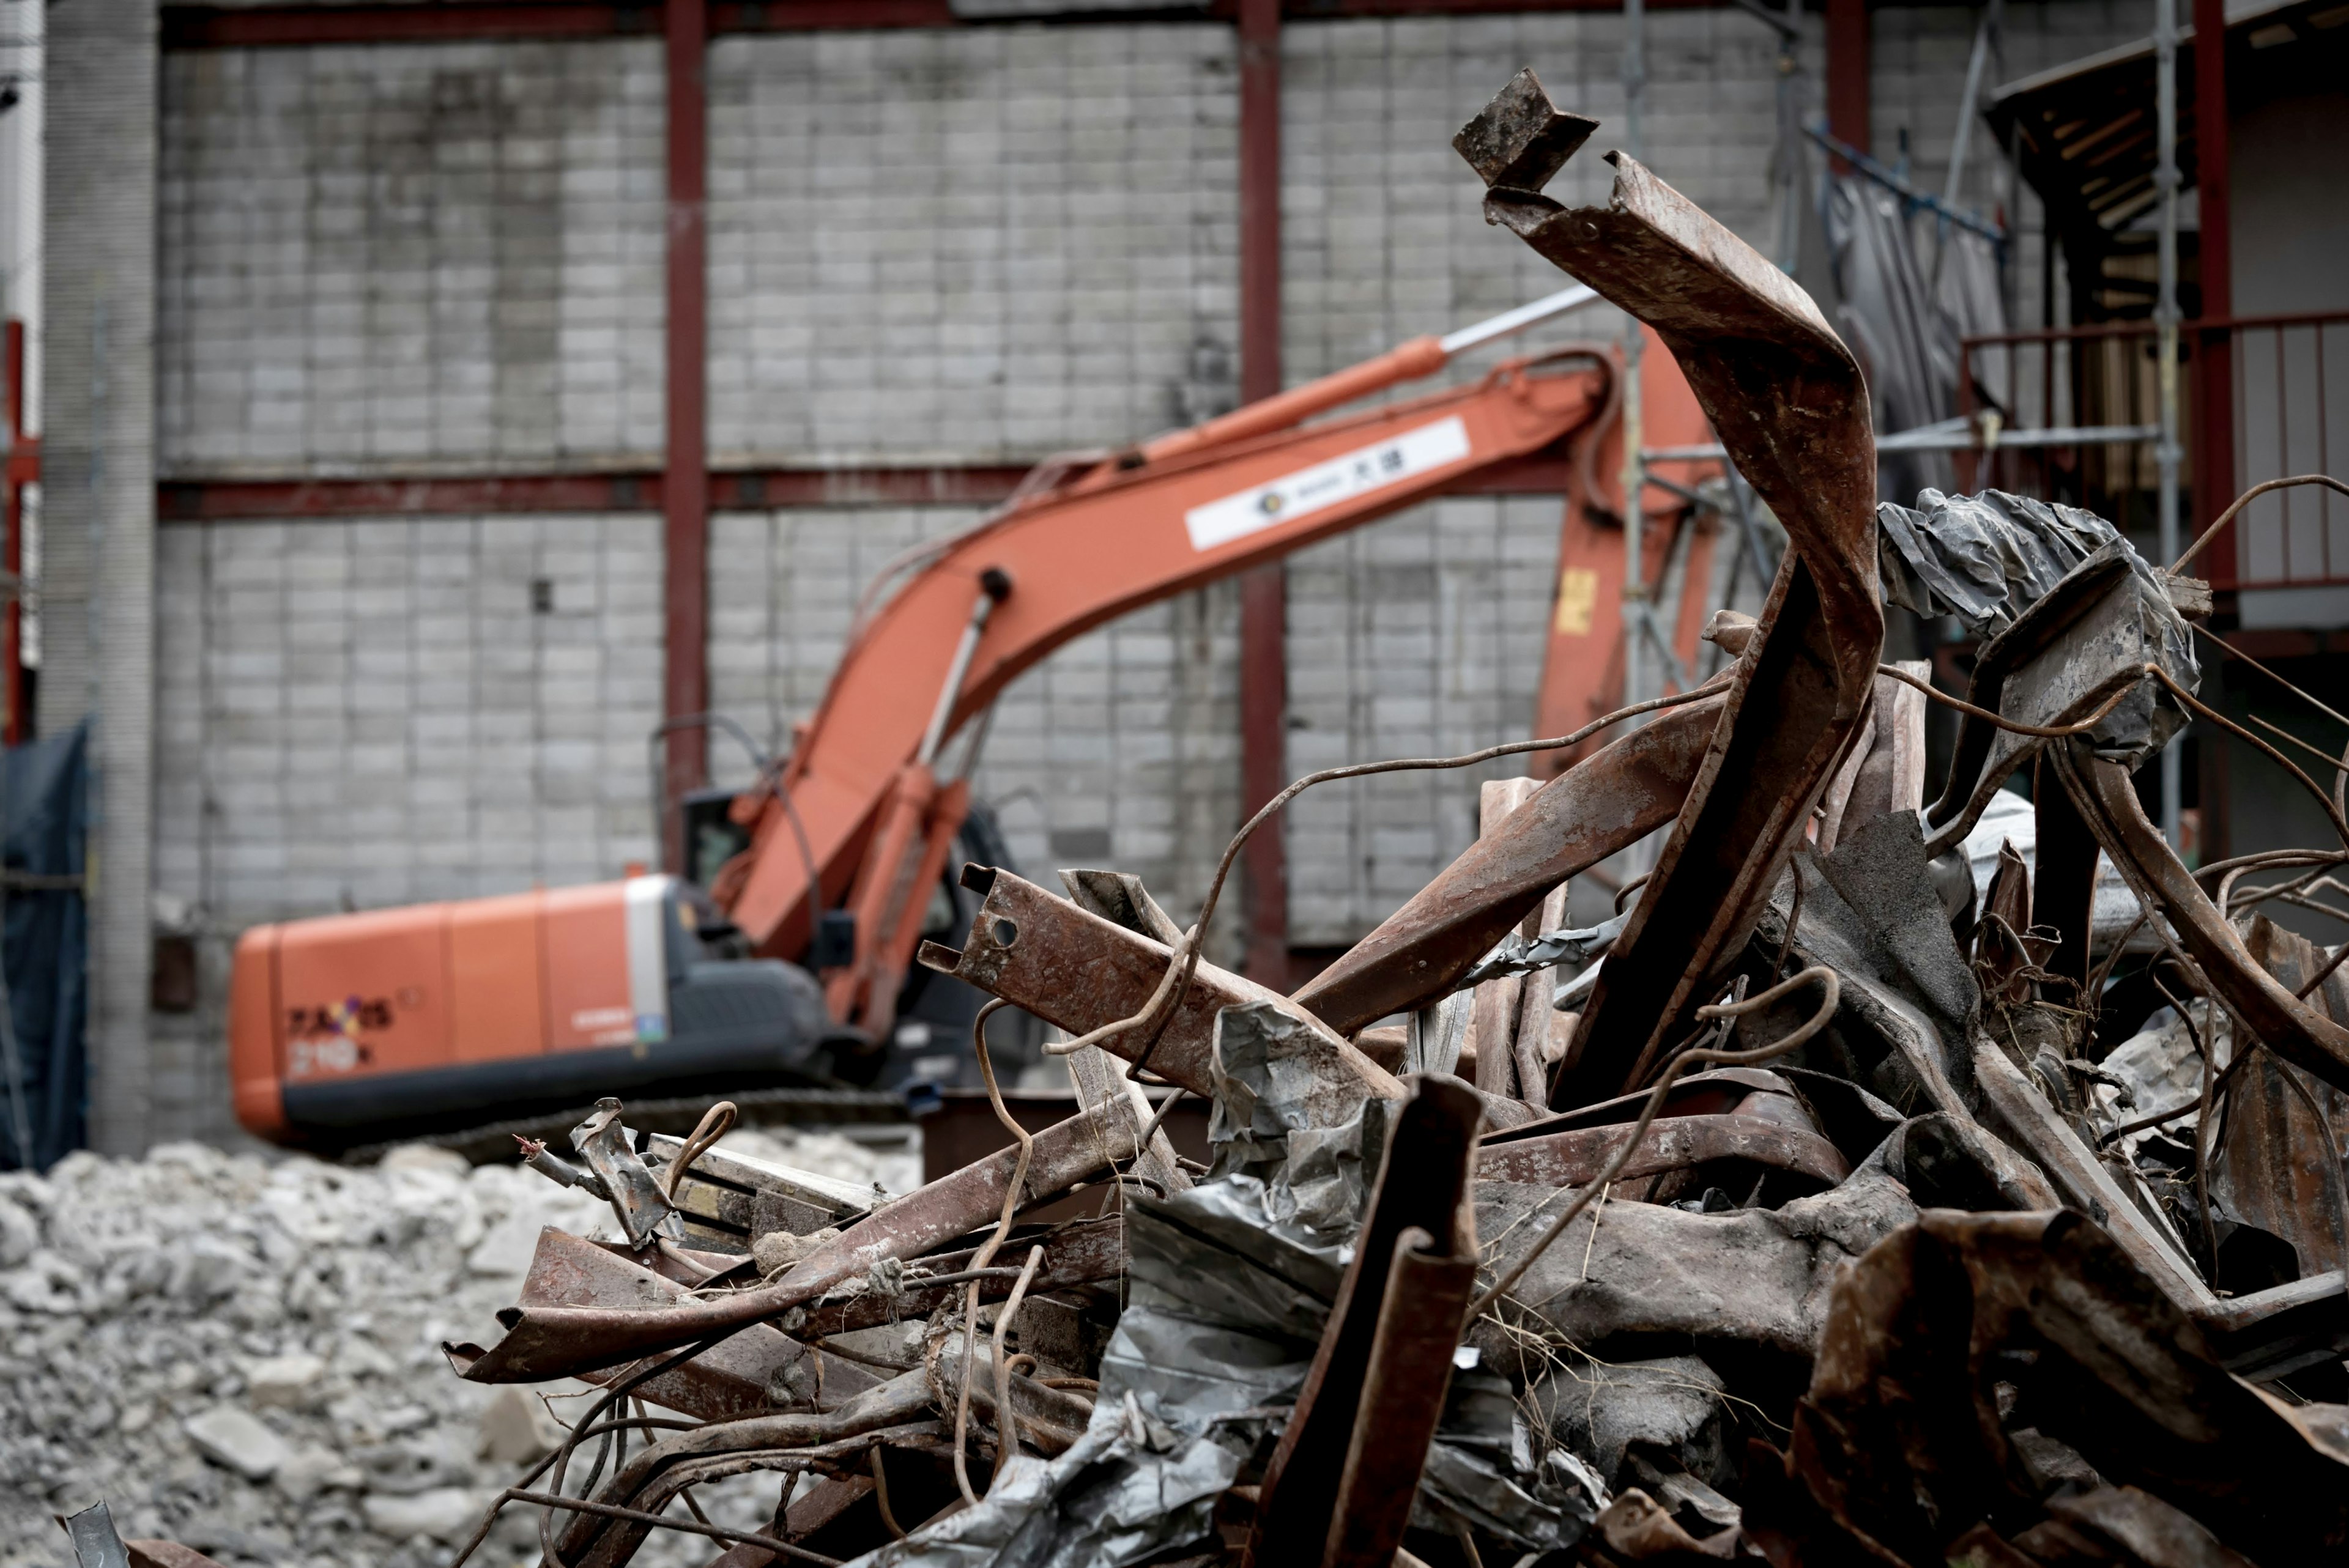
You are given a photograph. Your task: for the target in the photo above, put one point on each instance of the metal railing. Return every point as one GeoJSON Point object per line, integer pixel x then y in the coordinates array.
{"type": "Point", "coordinates": [2070, 415]}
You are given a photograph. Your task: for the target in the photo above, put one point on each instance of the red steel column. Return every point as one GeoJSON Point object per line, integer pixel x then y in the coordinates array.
{"type": "Point", "coordinates": [2214, 380]}
{"type": "Point", "coordinates": [1263, 592]}
{"type": "Point", "coordinates": [685, 487]}
{"type": "Point", "coordinates": [1847, 82]}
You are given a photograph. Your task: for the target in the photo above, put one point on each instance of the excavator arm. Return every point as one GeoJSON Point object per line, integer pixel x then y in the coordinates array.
{"type": "Point", "coordinates": [1137, 527]}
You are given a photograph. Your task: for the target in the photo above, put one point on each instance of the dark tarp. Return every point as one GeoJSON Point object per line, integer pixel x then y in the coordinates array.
{"type": "Point", "coordinates": [45, 949]}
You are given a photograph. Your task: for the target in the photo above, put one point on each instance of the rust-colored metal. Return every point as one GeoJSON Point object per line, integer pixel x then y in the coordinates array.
{"type": "Point", "coordinates": [1573, 1159]}
{"type": "Point", "coordinates": [1608, 800]}
{"type": "Point", "coordinates": [2287, 1025]}
{"type": "Point", "coordinates": [1403, 1389]}
{"type": "Point", "coordinates": [1423, 1186]}
{"type": "Point", "coordinates": [567, 1341]}
{"type": "Point", "coordinates": [1079, 971]}
{"type": "Point", "coordinates": [1792, 410]}
{"type": "Point", "coordinates": [729, 1380]}
{"type": "Point", "coordinates": [1084, 1253]}
{"type": "Point", "coordinates": [654, 1475]}
{"type": "Point", "coordinates": [2282, 1165]}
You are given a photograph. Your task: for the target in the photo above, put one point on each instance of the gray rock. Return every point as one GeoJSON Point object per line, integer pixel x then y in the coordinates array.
{"type": "Point", "coordinates": [289, 1382]}
{"type": "Point", "coordinates": [444, 1513]}
{"type": "Point", "coordinates": [314, 1470]}
{"type": "Point", "coordinates": [20, 1235]}
{"type": "Point", "coordinates": [235, 1439]}
{"type": "Point", "coordinates": [1669, 1408]}
{"type": "Point", "coordinates": [516, 1428]}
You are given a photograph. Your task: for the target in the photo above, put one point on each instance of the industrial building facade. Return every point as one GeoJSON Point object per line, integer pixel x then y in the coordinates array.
{"type": "Point", "coordinates": [381, 531]}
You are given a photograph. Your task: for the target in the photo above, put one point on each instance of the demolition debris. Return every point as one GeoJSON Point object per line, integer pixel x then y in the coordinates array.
{"type": "Point", "coordinates": [1859, 1195]}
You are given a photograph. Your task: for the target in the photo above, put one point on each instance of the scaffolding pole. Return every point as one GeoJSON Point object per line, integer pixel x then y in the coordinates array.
{"type": "Point", "coordinates": [2164, 316]}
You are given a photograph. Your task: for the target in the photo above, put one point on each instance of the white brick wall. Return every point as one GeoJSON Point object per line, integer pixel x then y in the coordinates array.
{"type": "Point", "coordinates": [971, 246]}
{"type": "Point", "coordinates": [371, 712]}
{"type": "Point", "coordinates": [1121, 748]}
{"type": "Point", "coordinates": [1418, 637]}
{"type": "Point", "coordinates": [1382, 232]}
{"type": "Point", "coordinates": [400, 258]}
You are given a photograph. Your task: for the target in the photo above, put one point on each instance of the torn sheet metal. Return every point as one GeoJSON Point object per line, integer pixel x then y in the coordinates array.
{"type": "Point", "coordinates": [644, 1208]}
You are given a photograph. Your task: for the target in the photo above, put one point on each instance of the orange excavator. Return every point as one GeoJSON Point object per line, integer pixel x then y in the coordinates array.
{"type": "Point", "coordinates": [789, 967]}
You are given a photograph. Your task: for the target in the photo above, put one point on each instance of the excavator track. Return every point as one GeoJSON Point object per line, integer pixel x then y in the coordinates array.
{"type": "Point", "coordinates": [491, 1143]}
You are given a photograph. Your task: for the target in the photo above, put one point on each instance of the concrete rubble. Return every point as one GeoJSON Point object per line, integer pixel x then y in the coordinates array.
{"type": "Point", "coordinates": [1862, 1193]}
{"type": "Point", "coordinates": [242, 1356]}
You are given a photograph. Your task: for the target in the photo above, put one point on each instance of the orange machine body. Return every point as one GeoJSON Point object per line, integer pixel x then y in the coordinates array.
{"type": "Point", "coordinates": [366, 1024]}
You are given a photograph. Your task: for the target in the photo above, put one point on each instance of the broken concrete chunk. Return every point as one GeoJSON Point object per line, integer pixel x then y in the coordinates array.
{"type": "Point", "coordinates": [235, 1439]}
{"type": "Point", "coordinates": [287, 1381]}
{"type": "Point", "coordinates": [1669, 1406]}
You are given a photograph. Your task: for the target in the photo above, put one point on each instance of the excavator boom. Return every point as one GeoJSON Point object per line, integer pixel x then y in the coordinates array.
{"type": "Point", "coordinates": [1129, 532]}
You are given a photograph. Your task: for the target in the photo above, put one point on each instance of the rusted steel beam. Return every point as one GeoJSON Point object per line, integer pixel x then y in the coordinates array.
{"type": "Point", "coordinates": [2064, 883]}
{"type": "Point", "coordinates": [2286, 1025]}
{"type": "Point", "coordinates": [1423, 1188]}
{"type": "Point", "coordinates": [1084, 1253]}
{"type": "Point", "coordinates": [544, 1342]}
{"type": "Point", "coordinates": [1080, 972]}
{"type": "Point", "coordinates": [2024, 673]}
{"type": "Point", "coordinates": [1428, 1288]}
{"type": "Point", "coordinates": [1610, 799]}
{"type": "Point", "coordinates": [1572, 1158]}
{"type": "Point", "coordinates": [1792, 410]}
{"type": "Point", "coordinates": [728, 1381]}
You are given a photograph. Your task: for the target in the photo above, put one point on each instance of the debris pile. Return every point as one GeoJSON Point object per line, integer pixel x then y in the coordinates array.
{"type": "Point", "coordinates": [242, 1356]}
{"type": "Point", "coordinates": [1831, 1204]}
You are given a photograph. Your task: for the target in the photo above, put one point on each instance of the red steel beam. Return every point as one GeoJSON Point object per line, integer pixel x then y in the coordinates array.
{"type": "Point", "coordinates": [746, 489]}
{"type": "Point", "coordinates": [1847, 47]}
{"type": "Point", "coordinates": [1263, 592]}
{"type": "Point", "coordinates": [188, 27]}
{"type": "Point", "coordinates": [685, 486]}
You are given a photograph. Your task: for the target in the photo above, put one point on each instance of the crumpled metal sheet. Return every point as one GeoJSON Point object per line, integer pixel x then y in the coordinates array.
{"type": "Point", "coordinates": [1988, 558]}
{"type": "Point", "coordinates": [1130, 1490]}
{"type": "Point", "coordinates": [1759, 1277]}
{"type": "Point", "coordinates": [1273, 1118]}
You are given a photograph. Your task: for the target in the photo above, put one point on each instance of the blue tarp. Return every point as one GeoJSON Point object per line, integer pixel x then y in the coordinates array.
{"type": "Point", "coordinates": [44, 948]}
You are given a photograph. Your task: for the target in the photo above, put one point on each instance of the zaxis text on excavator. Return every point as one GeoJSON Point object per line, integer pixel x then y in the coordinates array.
{"type": "Point", "coordinates": [352, 1027]}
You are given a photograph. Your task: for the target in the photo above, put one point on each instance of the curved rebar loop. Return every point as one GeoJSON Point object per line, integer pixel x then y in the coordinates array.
{"type": "Point", "coordinates": [1184, 959]}
{"type": "Point", "coordinates": [2044, 731]}
{"type": "Point", "coordinates": [2245, 500]}
{"type": "Point", "coordinates": [881, 1492]}
{"type": "Point", "coordinates": [985, 1254]}
{"type": "Point", "coordinates": [616, 1394]}
{"type": "Point", "coordinates": [589, 1426]}
{"type": "Point", "coordinates": [1007, 1424]}
{"type": "Point", "coordinates": [1831, 989]}
{"type": "Point", "coordinates": [2340, 823]}
{"type": "Point", "coordinates": [715, 1123]}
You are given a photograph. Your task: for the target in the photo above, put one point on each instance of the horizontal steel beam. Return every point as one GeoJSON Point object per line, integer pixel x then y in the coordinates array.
{"type": "Point", "coordinates": [193, 27]}
{"type": "Point", "coordinates": [741, 490]}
